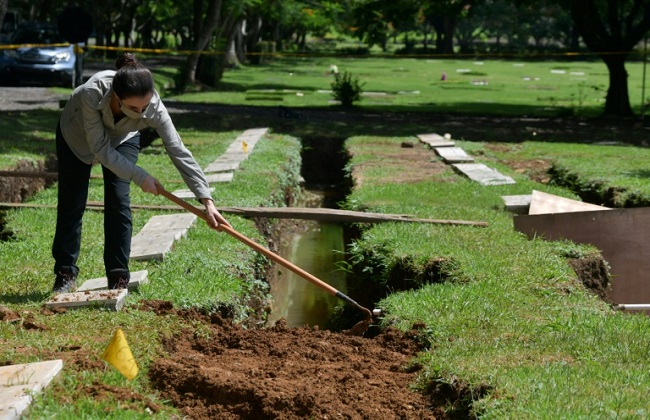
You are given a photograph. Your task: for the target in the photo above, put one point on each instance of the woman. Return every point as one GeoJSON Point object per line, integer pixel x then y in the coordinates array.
{"type": "Point", "coordinates": [101, 122]}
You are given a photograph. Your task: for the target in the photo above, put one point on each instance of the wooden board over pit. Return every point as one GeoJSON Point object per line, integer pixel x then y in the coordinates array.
{"type": "Point", "coordinates": [620, 234]}
{"type": "Point", "coordinates": [19, 383]}
{"type": "Point", "coordinates": [543, 203]}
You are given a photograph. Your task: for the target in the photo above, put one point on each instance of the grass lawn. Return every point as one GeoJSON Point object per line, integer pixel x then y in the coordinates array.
{"type": "Point", "coordinates": [541, 88]}
{"type": "Point", "coordinates": [504, 317]}
{"type": "Point", "coordinates": [499, 311]}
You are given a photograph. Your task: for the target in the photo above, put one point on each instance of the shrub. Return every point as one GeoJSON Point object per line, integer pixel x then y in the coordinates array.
{"type": "Point", "coordinates": [346, 88]}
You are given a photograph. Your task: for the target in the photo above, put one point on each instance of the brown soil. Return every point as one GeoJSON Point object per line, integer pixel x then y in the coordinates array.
{"type": "Point", "coordinates": [229, 372]}
{"type": "Point", "coordinates": [18, 189]}
{"type": "Point", "coordinates": [422, 165]}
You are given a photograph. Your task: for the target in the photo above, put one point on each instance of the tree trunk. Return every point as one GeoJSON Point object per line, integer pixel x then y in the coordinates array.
{"type": "Point", "coordinates": [613, 41]}
{"type": "Point", "coordinates": [618, 99]}
{"type": "Point", "coordinates": [201, 39]}
{"type": "Point", "coordinates": [3, 10]}
{"type": "Point", "coordinates": [444, 27]}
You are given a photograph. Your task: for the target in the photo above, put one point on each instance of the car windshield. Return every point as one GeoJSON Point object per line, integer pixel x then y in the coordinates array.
{"type": "Point", "coordinates": [37, 35]}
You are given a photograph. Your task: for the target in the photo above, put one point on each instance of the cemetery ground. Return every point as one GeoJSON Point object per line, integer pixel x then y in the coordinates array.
{"type": "Point", "coordinates": [476, 320]}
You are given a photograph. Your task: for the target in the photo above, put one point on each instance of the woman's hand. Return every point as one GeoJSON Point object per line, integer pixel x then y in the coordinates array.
{"type": "Point", "coordinates": [214, 217]}
{"type": "Point", "coordinates": [149, 185]}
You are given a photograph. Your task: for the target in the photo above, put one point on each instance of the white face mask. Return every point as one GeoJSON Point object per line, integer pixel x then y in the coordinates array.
{"type": "Point", "coordinates": [129, 112]}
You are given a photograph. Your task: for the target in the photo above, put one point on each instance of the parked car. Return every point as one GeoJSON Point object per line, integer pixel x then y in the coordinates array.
{"type": "Point", "coordinates": [42, 63]}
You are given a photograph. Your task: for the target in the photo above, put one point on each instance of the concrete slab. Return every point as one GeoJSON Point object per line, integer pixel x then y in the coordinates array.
{"type": "Point", "coordinates": [259, 131]}
{"type": "Point", "coordinates": [238, 146]}
{"type": "Point", "coordinates": [158, 235]}
{"type": "Point", "coordinates": [453, 154]}
{"type": "Point", "coordinates": [186, 194]}
{"type": "Point", "coordinates": [620, 234]}
{"type": "Point", "coordinates": [138, 278]}
{"type": "Point", "coordinates": [435, 140]}
{"type": "Point", "coordinates": [108, 299]}
{"type": "Point", "coordinates": [222, 166]}
{"type": "Point", "coordinates": [235, 156]}
{"type": "Point", "coordinates": [19, 383]}
{"type": "Point", "coordinates": [517, 204]}
{"type": "Point", "coordinates": [543, 203]}
{"type": "Point", "coordinates": [219, 177]}
{"type": "Point", "coordinates": [482, 174]}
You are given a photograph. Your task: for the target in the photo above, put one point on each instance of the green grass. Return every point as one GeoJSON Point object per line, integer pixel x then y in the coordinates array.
{"type": "Point", "coordinates": [510, 314]}
{"type": "Point", "coordinates": [596, 169]}
{"type": "Point", "coordinates": [26, 135]}
{"type": "Point", "coordinates": [207, 270]}
{"type": "Point", "coordinates": [541, 88]}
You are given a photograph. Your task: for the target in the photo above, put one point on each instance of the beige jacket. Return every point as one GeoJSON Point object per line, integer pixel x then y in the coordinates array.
{"type": "Point", "coordinates": [88, 128]}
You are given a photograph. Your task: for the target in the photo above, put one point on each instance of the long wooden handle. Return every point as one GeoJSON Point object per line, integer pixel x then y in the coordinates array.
{"type": "Point", "coordinates": [265, 251]}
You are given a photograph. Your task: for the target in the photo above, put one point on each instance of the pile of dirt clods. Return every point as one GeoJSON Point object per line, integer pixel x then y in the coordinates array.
{"type": "Point", "coordinates": [224, 371]}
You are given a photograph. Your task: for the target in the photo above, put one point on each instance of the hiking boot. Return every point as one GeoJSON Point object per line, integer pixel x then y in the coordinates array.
{"type": "Point", "coordinates": [66, 280]}
{"type": "Point", "coordinates": [118, 278]}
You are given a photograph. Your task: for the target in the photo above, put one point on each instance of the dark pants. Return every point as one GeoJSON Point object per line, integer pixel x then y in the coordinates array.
{"type": "Point", "coordinates": [74, 176]}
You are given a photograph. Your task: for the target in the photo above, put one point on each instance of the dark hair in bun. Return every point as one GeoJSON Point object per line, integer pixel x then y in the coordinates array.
{"type": "Point", "coordinates": [131, 78]}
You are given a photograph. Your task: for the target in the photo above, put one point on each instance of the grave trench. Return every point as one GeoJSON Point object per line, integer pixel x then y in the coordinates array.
{"type": "Point", "coordinates": [19, 189]}
{"type": "Point", "coordinates": [323, 168]}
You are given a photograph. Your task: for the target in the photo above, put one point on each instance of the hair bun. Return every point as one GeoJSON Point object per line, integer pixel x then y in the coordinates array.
{"type": "Point", "coordinates": [126, 59]}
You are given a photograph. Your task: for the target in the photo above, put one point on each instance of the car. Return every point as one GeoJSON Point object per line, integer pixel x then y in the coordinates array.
{"type": "Point", "coordinates": [43, 56]}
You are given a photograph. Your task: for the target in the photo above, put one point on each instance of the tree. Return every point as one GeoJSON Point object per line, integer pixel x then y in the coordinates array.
{"type": "Point", "coordinates": [612, 29]}
{"type": "Point", "coordinates": [204, 26]}
{"type": "Point", "coordinates": [3, 10]}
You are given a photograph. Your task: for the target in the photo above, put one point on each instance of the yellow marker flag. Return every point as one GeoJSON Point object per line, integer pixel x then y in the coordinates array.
{"type": "Point", "coordinates": [244, 146]}
{"type": "Point", "coordinates": [119, 355]}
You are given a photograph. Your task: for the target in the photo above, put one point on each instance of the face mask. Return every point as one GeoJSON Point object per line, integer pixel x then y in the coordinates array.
{"type": "Point", "coordinates": [129, 112]}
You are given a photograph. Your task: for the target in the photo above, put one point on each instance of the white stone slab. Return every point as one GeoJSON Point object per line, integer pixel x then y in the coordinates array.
{"type": "Point", "coordinates": [137, 278]}
{"type": "Point", "coordinates": [256, 131]}
{"type": "Point", "coordinates": [219, 177]}
{"type": "Point", "coordinates": [238, 147]}
{"type": "Point", "coordinates": [482, 174]}
{"type": "Point", "coordinates": [186, 194]}
{"type": "Point", "coordinates": [19, 383]}
{"type": "Point", "coordinates": [435, 140]}
{"type": "Point", "coordinates": [518, 204]}
{"type": "Point", "coordinates": [159, 234]}
{"type": "Point", "coordinates": [544, 203]}
{"type": "Point", "coordinates": [235, 156]}
{"type": "Point", "coordinates": [221, 166]}
{"type": "Point", "coordinates": [453, 154]}
{"type": "Point", "coordinates": [109, 299]}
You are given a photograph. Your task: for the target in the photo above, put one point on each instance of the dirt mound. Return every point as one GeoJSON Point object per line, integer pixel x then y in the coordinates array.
{"type": "Point", "coordinates": [225, 371]}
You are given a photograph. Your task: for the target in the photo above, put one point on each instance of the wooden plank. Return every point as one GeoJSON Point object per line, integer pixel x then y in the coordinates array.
{"type": "Point", "coordinates": [109, 299]}
{"type": "Point", "coordinates": [304, 214]}
{"type": "Point", "coordinates": [20, 383]}
{"type": "Point", "coordinates": [138, 278]}
{"type": "Point", "coordinates": [620, 234]}
{"type": "Point", "coordinates": [158, 235]}
{"type": "Point", "coordinates": [543, 203]}
{"type": "Point", "coordinates": [482, 174]}
{"type": "Point", "coordinates": [453, 154]}
{"type": "Point", "coordinates": [517, 204]}
{"type": "Point", "coordinates": [219, 177]}
{"type": "Point", "coordinates": [335, 215]}
{"type": "Point", "coordinates": [435, 140]}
